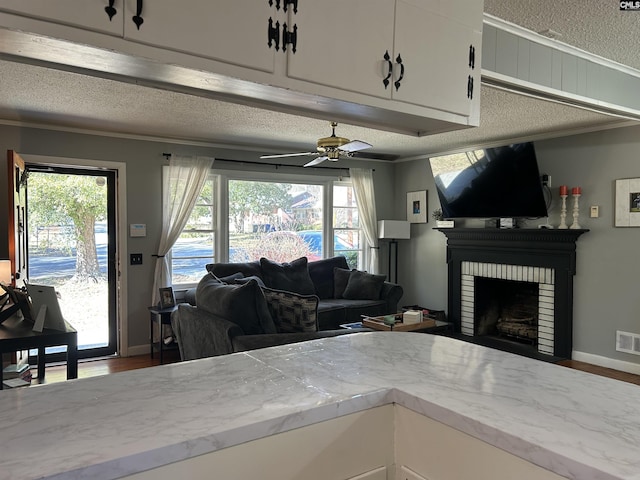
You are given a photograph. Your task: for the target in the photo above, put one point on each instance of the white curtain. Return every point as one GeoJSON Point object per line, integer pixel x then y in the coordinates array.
{"type": "Point", "coordinates": [181, 187]}
{"type": "Point", "coordinates": [362, 180]}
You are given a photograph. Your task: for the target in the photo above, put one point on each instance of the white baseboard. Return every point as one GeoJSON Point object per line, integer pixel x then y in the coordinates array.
{"type": "Point", "coordinates": [600, 361]}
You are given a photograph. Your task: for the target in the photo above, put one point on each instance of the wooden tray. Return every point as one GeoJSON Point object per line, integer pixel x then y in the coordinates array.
{"type": "Point", "coordinates": [377, 323]}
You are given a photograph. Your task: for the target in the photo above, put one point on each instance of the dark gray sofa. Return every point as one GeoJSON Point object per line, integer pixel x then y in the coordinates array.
{"type": "Point", "coordinates": [333, 308]}
{"type": "Point", "coordinates": [234, 309]}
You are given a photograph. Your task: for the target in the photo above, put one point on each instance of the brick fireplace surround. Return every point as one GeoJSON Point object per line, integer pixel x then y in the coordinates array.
{"type": "Point", "coordinates": [543, 256]}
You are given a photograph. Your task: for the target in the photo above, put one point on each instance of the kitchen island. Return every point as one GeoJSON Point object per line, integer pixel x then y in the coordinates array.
{"type": "Point", "coordinates": [565, 422]}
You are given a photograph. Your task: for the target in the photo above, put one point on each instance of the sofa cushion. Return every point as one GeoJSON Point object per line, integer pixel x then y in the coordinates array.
{"type": "Point", "coordinates": [292, 312]}
{"type": "Point", "coordinates": [243, 305]}
{"type": "Point", "coordinates": [340, 280]}
{"type": "Point", "coordinates": [291, 277]}
{"type": "Point", "coordinates": [225, 269]}
{"type": "Point", "coordinates": [363, 286]}
{"type": "Point", "coordinates": [321, 273]}
{"type": "Point", "coordinates": [229, 278]}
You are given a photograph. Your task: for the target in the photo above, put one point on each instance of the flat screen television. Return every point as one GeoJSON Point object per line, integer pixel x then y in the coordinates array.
{"type": "Point", "coordinates": [498, 182]}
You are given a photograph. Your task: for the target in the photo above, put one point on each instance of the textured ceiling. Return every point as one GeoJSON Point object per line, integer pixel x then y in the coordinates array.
{"type": "Point", "coordinates": [34, 95]}
{"type": "Point", "coordinates": [596, 26]}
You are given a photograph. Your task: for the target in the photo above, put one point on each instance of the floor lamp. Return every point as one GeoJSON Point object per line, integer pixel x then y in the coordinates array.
{"type": "Point", "coordinates": [394, 230]}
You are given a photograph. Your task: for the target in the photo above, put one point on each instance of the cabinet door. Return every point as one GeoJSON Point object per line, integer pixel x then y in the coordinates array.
{"type": "Point", "coordinates": [342, 44]}
{"type": "Point", "coordinates": [435, 53]}
{"type": "Point", "coordinates": [87, 14]}
{"type": "Point", "coordinates": [225, 30]}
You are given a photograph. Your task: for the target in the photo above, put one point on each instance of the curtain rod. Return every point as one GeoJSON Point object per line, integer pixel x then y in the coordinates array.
{"type": "Point", "coordinates": [276, 165]}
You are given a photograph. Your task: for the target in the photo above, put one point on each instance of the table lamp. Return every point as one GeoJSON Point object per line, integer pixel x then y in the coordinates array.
{"type": "Point", "coordinates": [5, 272]}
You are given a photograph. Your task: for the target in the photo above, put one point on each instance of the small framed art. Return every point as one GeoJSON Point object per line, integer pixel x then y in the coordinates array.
{"type": "Point", "coordinates": [627, 213]}
{"type": "Point", "coordinates": [167, 299]}
{"type": "Point", "coordinates": [417, 206]}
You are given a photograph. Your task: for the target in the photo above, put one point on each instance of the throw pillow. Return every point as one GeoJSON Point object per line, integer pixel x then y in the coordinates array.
{"type": "Point", "coordinates": [340, 280]}
{"type": "Point", "coordinates": [321, 273]}
{"type": "Point", "coordinates": [243, 305]}
{"type": "Point", "coordinates": [364, 286]}
{"type": "Point", "coordinates": [292, 277]}
{"type": "Point", "coordinates": [292, 312]}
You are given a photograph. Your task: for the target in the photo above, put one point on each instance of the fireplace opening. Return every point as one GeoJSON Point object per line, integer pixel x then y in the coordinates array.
{"type": "Point", "coordinates": [506, 309]}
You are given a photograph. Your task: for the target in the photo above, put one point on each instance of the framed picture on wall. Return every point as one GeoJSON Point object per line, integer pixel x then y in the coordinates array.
{"type": "Point", "coordinates": [167, 299]}
{"type": "Point", "coordinates": [417, 206]}
{"type": "Point", "coordinates": [627, 212]}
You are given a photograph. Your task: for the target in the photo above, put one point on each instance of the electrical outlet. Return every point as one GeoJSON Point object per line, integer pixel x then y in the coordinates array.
{"type": "Point", "coordinates": [136, 259]}
{"type": "Point", "coordinates": [546, 180]}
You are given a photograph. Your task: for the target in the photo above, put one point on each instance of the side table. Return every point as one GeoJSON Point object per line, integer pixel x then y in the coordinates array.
{"type": "Point", "coordinates": [17, 334]}
{"type": "Point", "coordinates": [163, 316]}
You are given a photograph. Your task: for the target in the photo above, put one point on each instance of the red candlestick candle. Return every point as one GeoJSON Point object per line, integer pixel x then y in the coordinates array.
{"type": "Point", "coordinates": [576, 191]}
{"type": "Point", "coordinates": [563, 190]}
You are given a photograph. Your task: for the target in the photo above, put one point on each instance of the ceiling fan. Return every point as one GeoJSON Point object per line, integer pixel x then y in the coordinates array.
{"type": "Point", "coordinates": [329, 148]}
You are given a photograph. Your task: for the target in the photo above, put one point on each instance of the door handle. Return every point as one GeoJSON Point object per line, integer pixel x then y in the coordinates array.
{"type": "Point", "coordinates": [399, 62]}
{"type": "Point", "coordinates": [137, 18]}
{"type": "Point", "coordinates": [387, 58]}
{"type": "Point", "coordinates": [111, 11]}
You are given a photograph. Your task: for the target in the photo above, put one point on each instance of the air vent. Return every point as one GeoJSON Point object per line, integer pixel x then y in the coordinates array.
{"type": "Point", "coordinates": [628, 342]}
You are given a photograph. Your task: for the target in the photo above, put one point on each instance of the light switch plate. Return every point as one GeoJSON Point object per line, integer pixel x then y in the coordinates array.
{"type": "Point", "coordinates": [138, 230]}
{"type": "Point", "coordinates": [594, 212]}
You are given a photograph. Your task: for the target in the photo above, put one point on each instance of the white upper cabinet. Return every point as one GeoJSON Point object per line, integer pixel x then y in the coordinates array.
{"type": "Point", "coordinates": [97, 15]}
{"type": "Point", "coordinates": [223, 30]}
{"type": "Point", "coordinates": [441, 60]}
{"type": "Point", "coordinates": [406, 50]}
{"type": "Point", "coordinates": [343, 44]}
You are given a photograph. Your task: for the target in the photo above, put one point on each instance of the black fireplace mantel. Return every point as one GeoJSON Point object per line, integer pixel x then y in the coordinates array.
{"type": "Point", "coordinates": [542, 247]}
{"type": "Point", "coordinates": [547, 248]}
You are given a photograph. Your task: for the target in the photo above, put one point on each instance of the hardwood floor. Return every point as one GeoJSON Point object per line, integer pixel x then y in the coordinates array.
{"type": "Point", "coordinates": [105, 366]}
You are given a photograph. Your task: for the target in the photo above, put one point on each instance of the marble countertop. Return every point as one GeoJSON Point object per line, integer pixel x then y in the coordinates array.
{"type": "Point", "coordinates": [573, 423]}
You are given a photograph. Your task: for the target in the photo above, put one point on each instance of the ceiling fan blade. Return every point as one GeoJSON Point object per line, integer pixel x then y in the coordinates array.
{"type": "Point", "coordinates": [316, 161]}
{"type": "Point", "coordinates": [281, 155]}
{"type": "Point", "coordinates": [354, 146]}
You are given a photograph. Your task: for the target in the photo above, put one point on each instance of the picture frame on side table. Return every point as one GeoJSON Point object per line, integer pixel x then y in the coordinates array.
{"type": "Point", "coordinates": [167, 298]}
{"type": "Point", "coordinates": [417, 206]}
{"type": "Point", "coordinates": [627, 209]}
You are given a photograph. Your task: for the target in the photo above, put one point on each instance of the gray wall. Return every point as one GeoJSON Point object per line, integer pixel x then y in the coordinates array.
{"type": "Point", "coordinates": [144, 162]}
{"type": "Point", "coordinates": [605, 286]}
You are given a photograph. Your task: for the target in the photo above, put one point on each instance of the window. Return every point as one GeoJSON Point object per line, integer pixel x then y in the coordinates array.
{"type": "Point", "coordinates": [195, 246]}
{"type": "Point", "coordinates": [346, 225]}
{"type": "Point", "coordinates": [279, 221]}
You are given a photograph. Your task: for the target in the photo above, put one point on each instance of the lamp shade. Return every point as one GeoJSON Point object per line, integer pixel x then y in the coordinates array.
{"type": "Point", "coordinates": [394, 229]}
{"type": "Point", "coordinates": [5, 272]}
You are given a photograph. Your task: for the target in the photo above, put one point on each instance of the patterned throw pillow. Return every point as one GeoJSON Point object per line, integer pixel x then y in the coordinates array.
{"type": "Point", "coordinates": [292, 312]}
